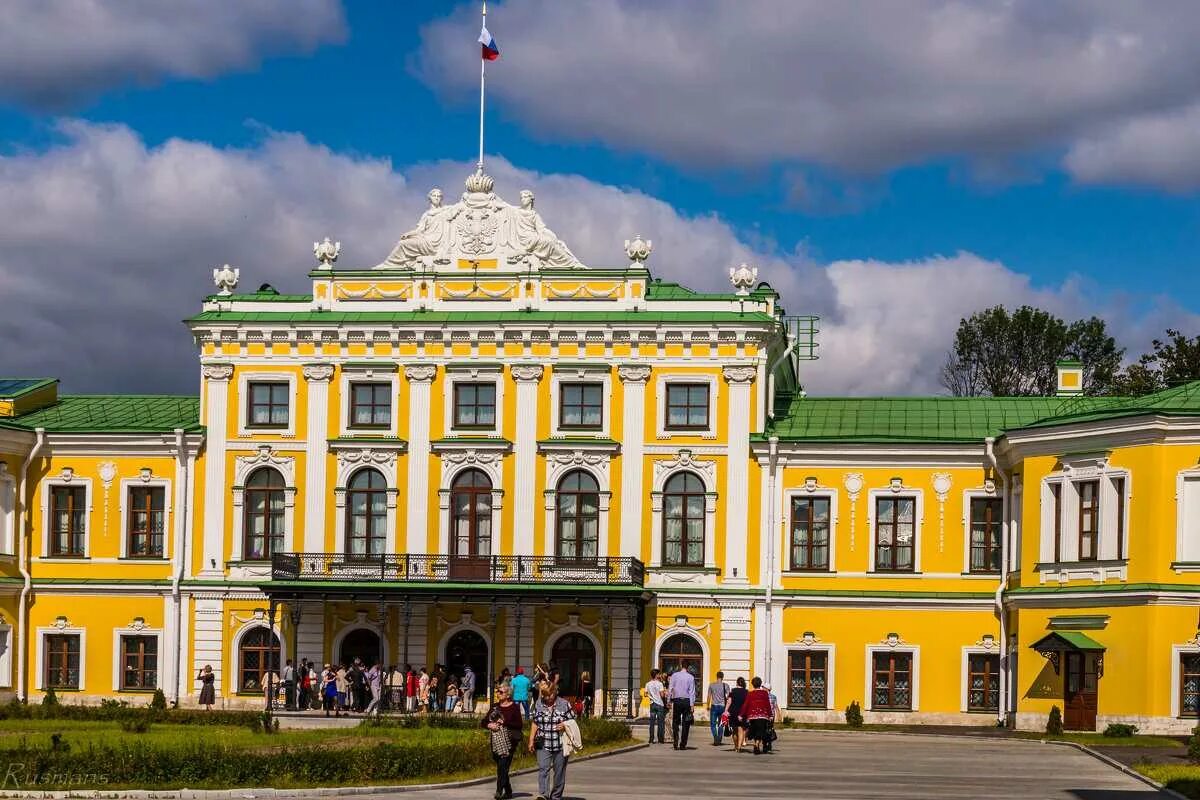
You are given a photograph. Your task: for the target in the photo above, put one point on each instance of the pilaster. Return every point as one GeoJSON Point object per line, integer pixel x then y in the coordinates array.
{"type": "Point", "coordinates": [216, 422]}
{"type": "Point", "coordinates": [739, 379]}
{"type": "Point", "coordinates": [527, 377]}
{"type": "Point", "coordinates": [317, 432]}
{"type": "Point", "coordinates": [633, 425]}
{"type": "Point", "coordinates": [420, 380]}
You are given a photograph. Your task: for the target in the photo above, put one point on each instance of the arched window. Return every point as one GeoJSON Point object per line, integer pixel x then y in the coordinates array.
{"type": "Point", "coordinates": [573, 654]}
{"type": "Point", "coordinates": [258, 654]}
{"type": "Point", "coordinates": [366, 513]}
{"type": "Point", "coordinates": [681, 650]}
{"type": "Point", "coordinates": [471, 514]}
{"type": "Point", "coordinates": [683, 521]}
{"type": "Point", "coordinates": [577, 520]}
{"type": "Point", "coordinates": [263, 503]}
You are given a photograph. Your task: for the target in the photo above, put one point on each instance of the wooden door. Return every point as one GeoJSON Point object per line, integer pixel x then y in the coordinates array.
{"type": "Point", "coordinates": [1079, 691]}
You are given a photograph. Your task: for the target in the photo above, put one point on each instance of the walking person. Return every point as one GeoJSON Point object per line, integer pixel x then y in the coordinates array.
{"type": "Point", "coordinates": [737, 699]}
{"type": "Point", "coordinates": [549, 718]}
{"type": "Point", "coordinates": [208, 687]}
{"type": "Point", "coordinates": [656, 693]}
{"type": "Point", "coordinates": [520, 690]}
{"type": "Point", "coordinates": [718, 698]}
{"type": "Point", "coordinates": [423, 690]}
{"type": "Point", "coordinates": [288, 679]}
{"type": "Point", "coordinates": [468, 689]}
{"type": "Point", "coordinates": [410, 688]}
{"type": "Point", "coordinates": [433, 692]}
{"type": "Point", "coordinates": [341, 687]}
{"type": "Point", "coordinates": [329, 691]}
{"type": "Point", "coordinates": [504, 721]}
{"type": "Point", "coordinates": [375, 684]}
{"type": "Point", "coordinates": [757, 713]}
{"type": "Point", "coordinates": [681, 689]}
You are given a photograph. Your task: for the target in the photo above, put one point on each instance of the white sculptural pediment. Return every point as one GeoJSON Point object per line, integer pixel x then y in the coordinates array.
{"type": "Point", "coordinates": [480, 226]}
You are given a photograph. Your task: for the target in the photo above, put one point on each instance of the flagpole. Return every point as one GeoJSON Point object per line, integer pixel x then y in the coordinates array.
{"type": "Point", "coordinates": [482, 78]}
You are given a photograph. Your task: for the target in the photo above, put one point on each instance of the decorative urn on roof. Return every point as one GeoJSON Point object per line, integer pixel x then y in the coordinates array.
{"type": "Point", "coordinates": [638, 250]}
{"type": "Point", "coordinates": [743, 277]}
{"type": "Point", "coordinates": [226, 279]}
{"type": "Point", "coordinates": [327, 252]}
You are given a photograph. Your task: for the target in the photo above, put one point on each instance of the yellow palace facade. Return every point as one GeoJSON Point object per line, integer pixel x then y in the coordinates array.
{"type": "Point", "coordinates": [483, 451]}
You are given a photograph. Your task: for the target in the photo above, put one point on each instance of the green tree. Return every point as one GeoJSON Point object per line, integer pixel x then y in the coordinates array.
{"type": "Point", "coordinates": [1012, 355]}
{"type": "Point", "coordinates": [1172, 361]}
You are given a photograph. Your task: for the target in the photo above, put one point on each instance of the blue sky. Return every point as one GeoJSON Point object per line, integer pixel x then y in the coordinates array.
{"type": "Point", "coordinates": [831, 171]}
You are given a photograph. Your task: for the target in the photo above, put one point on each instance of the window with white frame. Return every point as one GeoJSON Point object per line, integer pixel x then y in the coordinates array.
{"type": "Point", "coordinates": [895, 533]}
{"type": "Point", "coordinates": [68, 521]}
{"type": "Point", "coordinates": [139, 662]}
{"type": "Point", "coordinates": [810, 532]}
{"type": "Point", "coordinates": [8, 504]}
{"type": "Point", "coordinates": [892, 680]}
{"type": "Point", "coordinates": [474, 399]}
{"type": "Point", "coordinates": [61, 654]}
{"type": "Point", "coordinates": [6, 643]}
{"type": "Point", "coordinates": [265, 404]}
{"type": "Point", "coordinates": [1085, 515]}
{"type": "Point", "coordinates": [687, 405]}
{"type": "Point", "coordinates": [1187, 492]}
{"type": "Point", "coordinates": [808, 679]}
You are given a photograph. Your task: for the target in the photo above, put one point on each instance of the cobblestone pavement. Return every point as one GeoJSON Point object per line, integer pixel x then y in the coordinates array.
{"type": "Point", "coordinates": [813, 764]}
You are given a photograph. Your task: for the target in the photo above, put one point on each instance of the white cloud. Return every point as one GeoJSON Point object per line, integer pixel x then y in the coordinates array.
{"type": "Point", "coordinates": [1160, 150]}
{"type": "Point", "coordinates": [54, 53]}
{"type": "Point", "coordinates": [117, 241]}
{"type": "Point", "coordinates": [859, 84]}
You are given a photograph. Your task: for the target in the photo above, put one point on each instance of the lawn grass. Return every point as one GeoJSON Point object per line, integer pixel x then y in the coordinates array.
{"type": "Point", "coordinates": [1100, 740]}
{"type": "Point", "coordinates": [1182, 779]}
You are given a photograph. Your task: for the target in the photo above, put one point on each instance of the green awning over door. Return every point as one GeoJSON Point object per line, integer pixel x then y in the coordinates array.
{"type": "Point", "coordinates": [1067, 640]}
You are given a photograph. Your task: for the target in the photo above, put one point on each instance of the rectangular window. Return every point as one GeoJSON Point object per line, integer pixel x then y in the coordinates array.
{"type": "Point", "coordinates": [891, 686]}
{"type": "Point", "coordinates": [810, 533]}
{"type": "Point", "coordinates": [1119, 487]}
{"type": "Point", "coordinates": [139, 662]}
{"type": "Point", "coordinates": [895, 533]}
{"type": "Point", "coordinates": [983, 682]}
{"type": "Point", "coordinates": [1189, 684]}
{"type": "Point", "coordinates": [1056, 510]}
{"type": "Point", "coordinates": [68, 509]}
{"type": "Point", "coordinates": [807, 679]}
{"type": "Point", "coordinates": [370, 405]}
{"type": "Point", "coordinates": [987, 526]}
{"type": "Point", "coordinates": [268, 405]}
{"type": "Point", "coordinates": [61, 658]}
{"type": "Point", "coordinates": [581, 406]}
{"type": "Point", "coordinates": [146, 521]}
{"type": "Point", "coordinates": [474, 405]}
{"type": "Point", "coordinates": [687, 406]}
{"type": "Point", "coordinates": [1089, 520]}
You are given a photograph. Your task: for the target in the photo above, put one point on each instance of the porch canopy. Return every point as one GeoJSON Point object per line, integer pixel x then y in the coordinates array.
{"type": "Point", "coordinates": [1062, 641]}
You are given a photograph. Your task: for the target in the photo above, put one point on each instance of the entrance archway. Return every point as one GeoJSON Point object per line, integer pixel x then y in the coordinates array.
{"type": "Point", "coordinates": [682, 650]}
{"type": "Point", "coordinates": [360, 643]}
{"type": "Point", "coordinates": [573, 654]}
{"type": "Point", "coordinates": [468, 647]}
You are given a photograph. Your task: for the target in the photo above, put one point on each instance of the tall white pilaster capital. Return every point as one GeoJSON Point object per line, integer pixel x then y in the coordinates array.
{"type": "Point", "coordinates": [318, 372]}
{"type": "Point", "coordinates": [527, 373]}
{"type": "Point", "coordinates": [740, 374]}
{"type": "Point", "coordinates": [420, 373]}
{"type": "Point", "coordinates": [217, 372]}
{"type": "Point", "coordinates": [634, 373]}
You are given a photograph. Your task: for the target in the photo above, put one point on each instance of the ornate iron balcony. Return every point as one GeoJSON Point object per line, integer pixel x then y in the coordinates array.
{"type": "Point", "coordinates": [441, 568]}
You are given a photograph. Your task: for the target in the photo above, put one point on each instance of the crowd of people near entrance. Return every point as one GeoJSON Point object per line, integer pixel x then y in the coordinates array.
{"type": "Point", "coordinates": [746, 715]}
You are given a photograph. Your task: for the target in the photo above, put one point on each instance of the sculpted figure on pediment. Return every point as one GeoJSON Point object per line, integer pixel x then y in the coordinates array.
{"type": "Point", "coordinates": [431, 236]}
{"type": "Point", "coordinates": [531, 236]}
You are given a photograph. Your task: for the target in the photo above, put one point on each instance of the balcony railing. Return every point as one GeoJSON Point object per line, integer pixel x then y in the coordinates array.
{"type": "Point", "coordinates": [434, 568]}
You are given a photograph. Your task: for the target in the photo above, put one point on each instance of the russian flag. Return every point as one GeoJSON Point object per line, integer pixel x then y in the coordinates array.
{"type": "Point", "coordinates": [490, 51]}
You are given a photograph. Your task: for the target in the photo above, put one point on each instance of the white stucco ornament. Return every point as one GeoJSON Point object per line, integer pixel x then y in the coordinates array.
{"type": "Point", "coordinates": [226, 279]}
{"type": "Point", "coordinates": [327, 252]}
{"type": "Point", "coordinates": [743, 277]}
{"type": "Point", "coordinates": [638, 250]}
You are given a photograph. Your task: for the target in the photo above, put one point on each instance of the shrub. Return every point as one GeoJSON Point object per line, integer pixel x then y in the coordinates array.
{"type": "Point", "coordinates": [1193, 750]}
{"type": "Point", "coordinates": [854, 717]}
{"type": "Point", "coordinates": [50, 698]}
{"type": "Point", "coordinates": [111, 710]}
{"type": "Point", "coordinates": [134, 723]}
{"type": "Point", "coordinates": [159, 701]}
{"type": "Point", "coordinates": [1054, 726]}
{"type": "Point", "coordinates": [1118, 730]}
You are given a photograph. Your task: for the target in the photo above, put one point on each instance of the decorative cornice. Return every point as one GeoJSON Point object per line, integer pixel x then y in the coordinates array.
{"type": "Point", "coordinates": [684, 459]}
{"type": "Point", "coordinates": [318, 372]}
{"type": "Point", "coordinates": [108, 472]}
{"type": "Point", "coordinates": [420, 373]}
{"type": "Point", "coordinates": [366, 456]}
{"type": "Point", "coordinates": [527, 373]}
{"type": "Point", "coordinates": [265, 457]}
{"type": "Point", "coordinates": [634, 373]}
{"type": "Point", "coordinates": [740, 373]}
{"type": "Point", "coordinates": [217, 372]}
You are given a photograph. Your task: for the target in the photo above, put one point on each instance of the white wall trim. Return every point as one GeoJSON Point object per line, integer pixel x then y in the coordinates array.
{"type": "Point", "coordinates": [8, 514]}
{"type": "Point", "coordinates": [160, 654]}
{"type": "Point", "coordinates": [6, 657]}
{"type": "Point", "coordinates": [1187, 518]}
{"type": "Point", "coordinates": [965, 674]}
{"type": "Point", "coordinates": [664, 470]}
{"type": "Point", "coordinates": [802, 646]}
{"type": "Point", "coordinates": [673, 630]}
{"type": "Point", "coordinates": [72, 480]}
{"type": "Point", "coordinates": [234, 668]}
{"type": "Point", "coordinates": [350, 463]}
{"type": "Point", "coordinates": [244, 467]}
{"type": "Point", "coordinates": [456, 374]}
{"type": "Point", "coordinates": [244, 380]}
{"type": "Point", "coordinates": [147, 481]}
{"type": "Point", "coordinates": [40, 665]}
{"type": "Point", "coordinates": [915, 652]}
{"type": "Point", "coordinates": [1177, 650]}
{"type": "Point", "coordinates": [560, 463]}
{"type": "Point", "coordinates": [488, 457]}
{"type": "Point", "coordinates": [813, 491]}
{"type": "Point", "coordinates": [897, 491]}
{"type": "Point", "coordinates": [661, 381]}
{"type": "Point", "coordinates": [352, 375]}
{"type": "Point", "coordinates": [600, 374]}
{"type": "Point", "coordinates": [989, 492]}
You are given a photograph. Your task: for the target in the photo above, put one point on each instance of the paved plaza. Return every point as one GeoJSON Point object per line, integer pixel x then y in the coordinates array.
{"type": "Point", "coordinates": [812, 764]}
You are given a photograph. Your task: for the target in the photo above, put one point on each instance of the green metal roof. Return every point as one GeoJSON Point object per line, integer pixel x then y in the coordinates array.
{"type": "Point", "coordinates": [1178, 400]}
{"type": "Point", "coordinates": [15, 387]}
{"type": "Point", "coordinates": [309, 317]}
{"type": "Point", "coordinates": [1066, 640]}
{"type": "Point", "coordinates": [260, 297]}
{"type": "Point", "coordinates": [114, 414]}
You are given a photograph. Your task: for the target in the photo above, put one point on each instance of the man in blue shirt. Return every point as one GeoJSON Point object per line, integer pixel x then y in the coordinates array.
{"type": "Point", "coordinates": [682, 691]}
{"type": "Point", "coordinates": [520, 690]}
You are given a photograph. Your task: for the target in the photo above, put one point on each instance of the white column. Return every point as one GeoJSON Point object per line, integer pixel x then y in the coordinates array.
{"type": "Point", "coordinates": [735, 656]}
{"type": "Point", "coordinates": [216, 421]}
{"type": "Point", "coordinates": [420, 379]}
{"type": "Point", "coordinates": [525, 502]}
{"type": "Point", "coordinates": [316, 446]}
{"type": "Point", "coordinates": [737, 487]}
{"type": "Point", "coordinates": [633, 379]}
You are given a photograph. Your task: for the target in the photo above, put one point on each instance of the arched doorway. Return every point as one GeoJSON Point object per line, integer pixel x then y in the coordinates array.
{"type": "Point", "coordinates": [682, 650]}
{"type": "Point", "coordinates": [360, 643]}
{"type": "Point", "coordinates": [468, 647]}
{"type": "Point", "coordinates": [573, 654]}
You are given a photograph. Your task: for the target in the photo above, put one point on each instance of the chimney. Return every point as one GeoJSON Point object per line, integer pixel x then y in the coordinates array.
{"type": "Point", "coordinates": [1070, 377]}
